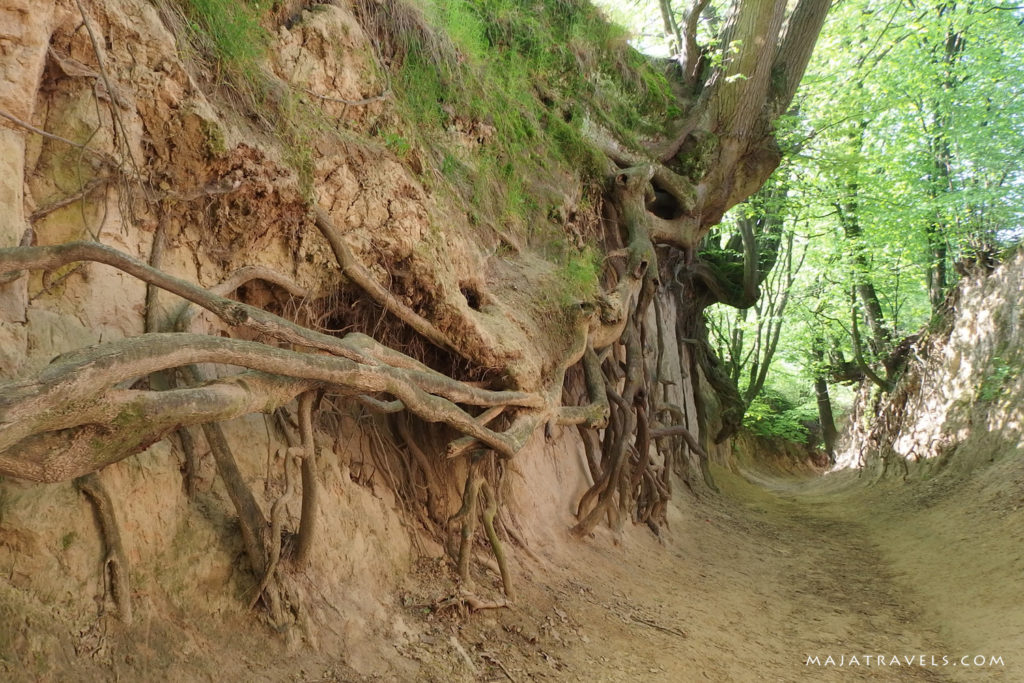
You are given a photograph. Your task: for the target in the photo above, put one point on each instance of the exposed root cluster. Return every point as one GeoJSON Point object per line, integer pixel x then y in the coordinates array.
{"type": "Point", "coordinates": [631, 461]}
{"type": "Point", "coordinates": [479, 485]}
{"type": "Point", "coordinates": [88, 408]}
{"type": "Point", "coordinates": [98, 405]}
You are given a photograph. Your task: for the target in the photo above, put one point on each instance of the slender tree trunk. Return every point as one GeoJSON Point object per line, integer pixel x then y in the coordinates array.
{"type": "Point", "coordinates": [866, 292]}
{"type": "Point", "coordinates": [881, 338]}
{"type": "Point", "coordinates": [671, 27]}
{"type": "Point", "coordinates": [941, 176]}
{"type": "Point", "coordinates": [829, 433]}
{"type": "Point", "coordinates": [937, 276]}
{"type": "Point", "coordinates": [938, 229]}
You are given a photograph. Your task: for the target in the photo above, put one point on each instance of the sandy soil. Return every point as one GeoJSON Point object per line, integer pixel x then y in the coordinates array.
{"type": "Point", "coordinates": [907, 578]}
{"type": "Point", "coordinates": [748, 586]}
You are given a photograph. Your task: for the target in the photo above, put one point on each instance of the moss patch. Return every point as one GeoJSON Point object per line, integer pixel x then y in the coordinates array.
{"type": "Point", "coordinates": [497, 92]}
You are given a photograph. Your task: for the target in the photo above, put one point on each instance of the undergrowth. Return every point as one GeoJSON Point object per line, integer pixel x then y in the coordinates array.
{"type": "Point", "coordinates": [230, 30]}
{"type": "Point", "coordinates": [774, 415]}
{"type": "Point", "coordinates": [531, 72]}
{"type": "Point", "coordinates": [492, 95]}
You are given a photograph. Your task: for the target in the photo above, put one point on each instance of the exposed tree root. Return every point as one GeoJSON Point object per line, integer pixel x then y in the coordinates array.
{"type": "Point", "coordinates": [632, 476]}
{"type": "Point", "coordinates": [462, 445]}
{"type": "Point", "coordinates": [190, 469]}
{"type": "Point", "coordinates": [469, 601]}
{"type": "Point", "coordinates": [614, 490]}
{"type": "Point", "coordinates": [115, 565]}
{"type": "Point", "coordinates": [435, 491]}
{"type": "Point", "coordinates": [356, 272]}
{"type": "Point", "coordinates": [691, 441]}
{"type": "Point", "coordinates": [471, 512]}
{"type": "Point", "coordinates": [63, 405]}
{"type": "Point", "coordinates": [467, 514]}
{"type": "Point", "coordinates": [594, 415]}
{"type": "Point", "coordinates": [230, 312]}
{"type": "Point", "coordinates": [277, 514]}
{"type": "Point", "coordinates": [250, 517]}
{"type": "Point", "coordinates": [310, 482]}
{"type": "Point", "coordinates": [489, 512]}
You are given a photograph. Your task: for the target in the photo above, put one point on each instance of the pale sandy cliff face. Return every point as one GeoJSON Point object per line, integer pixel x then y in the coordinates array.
{"type": "Point", "coordinates": [958, 405]}
{"type": "Point", "coordinates": [118, 131]}
{"type": "Point", "coordinates": [160, 148]}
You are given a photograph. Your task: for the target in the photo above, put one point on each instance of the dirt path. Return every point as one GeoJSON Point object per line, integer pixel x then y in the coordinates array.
{"type": "Point", "coordinates": [759, 584]}
{"type": "Point", "coordinates": [749, 586]}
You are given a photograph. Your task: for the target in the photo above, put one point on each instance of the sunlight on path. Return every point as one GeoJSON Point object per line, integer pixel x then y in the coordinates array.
{"type": "Point", "coordinates": [949, 549]}
{"type": "Point", "coordinates": [769, 581]}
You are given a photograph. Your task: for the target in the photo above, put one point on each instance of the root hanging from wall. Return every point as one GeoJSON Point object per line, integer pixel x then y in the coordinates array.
{"type": "Point", "coordinates": [115, 570]}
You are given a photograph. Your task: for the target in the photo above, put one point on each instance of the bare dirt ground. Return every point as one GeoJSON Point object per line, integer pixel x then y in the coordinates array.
{"type": "Point", "coordinates": [749, 585]}
{"type": "Point", "coordinates": [894, 581]}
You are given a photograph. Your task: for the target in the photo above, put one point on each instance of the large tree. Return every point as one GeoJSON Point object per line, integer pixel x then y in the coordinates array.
{"type": "Point", "coordinates": [662, 194]}
{"type": "Point", "coordinates": [905, 165]}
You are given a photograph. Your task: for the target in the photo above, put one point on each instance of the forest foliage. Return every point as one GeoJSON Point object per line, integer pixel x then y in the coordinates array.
{"type": "Point", "coordinates": [901, 173]}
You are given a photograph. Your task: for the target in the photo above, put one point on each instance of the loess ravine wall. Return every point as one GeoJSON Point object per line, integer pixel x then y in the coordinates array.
{"type": "Point", "coordinates": [117, 130]}
{"type": "Point", "coordinates": [957, 405]}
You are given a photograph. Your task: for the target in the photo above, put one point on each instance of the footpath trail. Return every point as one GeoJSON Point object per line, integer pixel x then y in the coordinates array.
{"type": "Point", "coordinates": [779, 580]}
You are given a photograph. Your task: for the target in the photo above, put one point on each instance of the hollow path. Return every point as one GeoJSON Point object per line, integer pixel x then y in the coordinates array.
{"type": "Point", "coordinates": [750, 585]}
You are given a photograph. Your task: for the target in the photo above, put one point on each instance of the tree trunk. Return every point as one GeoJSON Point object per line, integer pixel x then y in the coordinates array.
{"type": "Point", "coordinates": [937, 276]}
{"type": "Point", "coordinates": [829, 433]}
{"type": "Point", "coordinates": [848, 218]}
{"type": "Point", "coordinates": [941, 176]}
